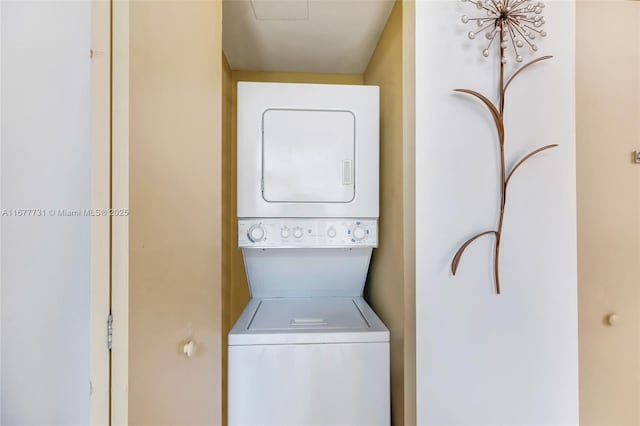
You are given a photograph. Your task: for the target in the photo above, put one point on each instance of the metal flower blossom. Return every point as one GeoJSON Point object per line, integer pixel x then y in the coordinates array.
{"type": "Point", "coordinates": [515, 23]}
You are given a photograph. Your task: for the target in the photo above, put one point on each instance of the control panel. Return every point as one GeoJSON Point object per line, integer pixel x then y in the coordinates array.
{"type": "Point", "coordinates": [307, 233]}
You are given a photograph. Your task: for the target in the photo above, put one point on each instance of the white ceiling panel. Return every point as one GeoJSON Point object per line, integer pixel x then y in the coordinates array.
{"type": "Point", "coordinates": [328, 36]}
{"type": "Point", "coordinates": [280, 9]}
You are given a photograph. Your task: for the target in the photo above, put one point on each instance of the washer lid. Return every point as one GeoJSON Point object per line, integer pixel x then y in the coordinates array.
{"type": "Point", "coordinates": [312, 320]}
{"type": "Point", "coordinates": [308, 314]}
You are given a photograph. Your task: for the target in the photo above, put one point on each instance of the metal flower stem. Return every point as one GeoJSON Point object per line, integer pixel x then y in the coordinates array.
{"type": "Point", "coordinates": [498, 118]}
{"type": "Point", "coordinates": [503, 176]}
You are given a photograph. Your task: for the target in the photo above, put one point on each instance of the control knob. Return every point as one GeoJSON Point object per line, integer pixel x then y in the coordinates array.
{"type": "Point", "coordinates": [331, 232]}
{"type": "Point", "coordinates": [256, 233]}
{"type": "Point", "coordinates": [284, 233]}
{"type": "Point", "coordinates": [297, 232]}
{"type": "Point", "coordinates": [359, 233]}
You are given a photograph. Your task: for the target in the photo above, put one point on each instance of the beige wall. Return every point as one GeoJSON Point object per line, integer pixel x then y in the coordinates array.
{"type": "Point", "coordinates": [385, 288]}
{"type": "Point", "coordinates": [229, 237]}
{"type": "Point", "coordinates": [608, 131]}
{"type": "Point", "coordinates": [100, 226]}
{"type": "Point", "coordinates": [120, 225]}
{"type": "Point", "coordinates": [175, 220]}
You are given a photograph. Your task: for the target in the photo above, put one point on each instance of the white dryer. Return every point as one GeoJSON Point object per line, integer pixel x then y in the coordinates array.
{"type": "Point", "coordinates": [307, 349]}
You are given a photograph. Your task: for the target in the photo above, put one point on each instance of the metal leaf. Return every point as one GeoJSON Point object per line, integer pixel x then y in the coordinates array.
{"type": "Point", "coordinates": [497, 118]}
{"type": "Point", "coordinates": [525, 158]}
{"type": "Point", "coordinates": [458, 255]}
{"type": "Point", "coordinates": [535, 61]}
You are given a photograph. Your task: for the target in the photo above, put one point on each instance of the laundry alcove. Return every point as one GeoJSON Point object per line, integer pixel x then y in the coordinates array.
{"type": "Point", "coordinates": [328, 42]}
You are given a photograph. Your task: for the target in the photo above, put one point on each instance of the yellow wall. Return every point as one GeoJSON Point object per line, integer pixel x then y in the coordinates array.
{"type": "Point", "coordinates": [175, 212]}
{"type": "Point", "coordinates": [385, 288]}
{"type": "Point", "coordinates": [608, 184]}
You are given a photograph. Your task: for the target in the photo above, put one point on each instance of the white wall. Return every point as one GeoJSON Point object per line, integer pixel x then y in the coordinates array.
{"type": "Point", "coordinates": [45, 163]}
{"type": "Point", "coordinates": [484, 359]}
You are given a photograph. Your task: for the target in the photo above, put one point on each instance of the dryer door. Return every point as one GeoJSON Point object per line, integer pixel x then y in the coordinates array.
{"type": "Point", "coordinates": [308, 156]}
{"type": "Point", "coordinates": [307, 150]}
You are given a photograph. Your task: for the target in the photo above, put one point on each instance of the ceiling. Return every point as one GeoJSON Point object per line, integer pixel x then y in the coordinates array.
{"type": "Point", "coordinates": [324, 36]}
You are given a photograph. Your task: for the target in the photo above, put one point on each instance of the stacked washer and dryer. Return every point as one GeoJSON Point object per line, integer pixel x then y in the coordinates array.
{"type": "Point", "coordinates": [307, 349]}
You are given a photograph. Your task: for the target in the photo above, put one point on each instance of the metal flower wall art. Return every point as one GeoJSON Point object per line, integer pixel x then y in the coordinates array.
{"type": "Point", "coordinates": [509, 27]}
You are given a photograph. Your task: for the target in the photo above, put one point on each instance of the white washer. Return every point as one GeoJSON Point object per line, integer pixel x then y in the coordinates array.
{"type": "Point", "coordinates": [308, 361]}
{"type": "Point", "coordinates": [307, 349]}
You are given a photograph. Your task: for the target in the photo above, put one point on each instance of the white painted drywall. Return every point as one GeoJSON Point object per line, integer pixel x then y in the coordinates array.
{"type": "Point", "coordinates": [45, 164]}
{"type": "Point", "coordinates": [484, 359]}
{"type": "Point", "coordinates": [303, 36]}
